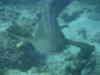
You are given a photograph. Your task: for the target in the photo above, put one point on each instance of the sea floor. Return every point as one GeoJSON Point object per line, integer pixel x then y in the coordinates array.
{"type": "Point", "coordinates": [85, 28]}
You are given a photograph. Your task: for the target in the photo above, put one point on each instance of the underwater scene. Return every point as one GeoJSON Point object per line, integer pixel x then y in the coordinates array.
{"type": "Point", "coordinates": [49, 37]}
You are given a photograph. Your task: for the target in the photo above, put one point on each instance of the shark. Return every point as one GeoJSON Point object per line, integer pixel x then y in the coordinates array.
{"type": "Point", "coordinates": [49, 37]}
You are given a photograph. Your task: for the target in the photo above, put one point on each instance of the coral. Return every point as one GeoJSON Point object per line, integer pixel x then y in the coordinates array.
{"type": "Point", "coordinates": [83, 33]}
{"type": "Point", "coordinates": [8, 14]}
{"type": "Point", "coordinates": [69, 18]}
{"type": "Point", "coordinates": [97, 37]}
{"type": "Point", "coordinates": [23, 57]}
